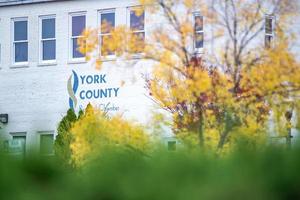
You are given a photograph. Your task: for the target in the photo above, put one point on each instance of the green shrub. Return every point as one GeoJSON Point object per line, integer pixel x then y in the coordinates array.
{"type": "Point", "coordinates": [64, 138]}
{"type": "Point", "coordinates": [270, 174]}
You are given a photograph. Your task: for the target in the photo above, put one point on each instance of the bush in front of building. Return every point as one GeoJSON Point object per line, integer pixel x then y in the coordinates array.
{"type": "Point", "coordinates": [96, 133]}
{"type": "Point", "coordinates": [64, 138]}
{"type": "Point", "coordinates": [260, 175]}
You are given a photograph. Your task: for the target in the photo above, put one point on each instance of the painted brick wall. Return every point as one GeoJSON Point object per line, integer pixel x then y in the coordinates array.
{"type": "Point", "coordinates": [36, 96]}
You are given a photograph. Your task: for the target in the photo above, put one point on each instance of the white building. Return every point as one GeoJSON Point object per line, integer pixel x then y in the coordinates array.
{"type": "Point", "coordinates": [42, 74]}
{"type": "Point", "coordinates": [39, 61]}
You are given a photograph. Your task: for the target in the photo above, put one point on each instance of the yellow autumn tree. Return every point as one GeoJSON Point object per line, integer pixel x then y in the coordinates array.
{"type": "Point", "coordinates": [219, 95]}
{"type": "Point", "coordinates": [95, 134]}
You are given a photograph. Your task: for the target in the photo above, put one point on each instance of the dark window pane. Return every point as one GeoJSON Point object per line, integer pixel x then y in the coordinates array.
{"type": "Point", "coordinates": [48, 28]}
{"type": "Point", "coordinates": [198, 23]}
{"type": "Point", "coordinates": [269, 26]}
{"type": "Point", "coordinates": [49, 50]}
{"type": "Point", "coordinates": [268, 41]}
{"type": "Point", "coordinates": [78, 25]}
{"type": "Point", "coordinates": [46, 144]}
{"type": "Point", "coordinates": [137, 19]}
{"type": "Point", "coordinates": [198, 40]}
{"type": "Point", "coordinates": [20, 28]}
{"type": "Point", "coordinates": [21, 52]}
{"type": "Point", "coordinates": [76, 53]}
{"type": "Point", "coordinates": [107, 22]}
{"type": "Point", "coordinates": [19, 146]}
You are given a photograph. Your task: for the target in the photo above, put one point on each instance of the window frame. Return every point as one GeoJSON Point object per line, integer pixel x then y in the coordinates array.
{"type": "Point", "coordinates": [195, 32]}
{"type": "Point", "coordinates": [13, 59]}
{"type": "Point", "coordinates": [71, 37]}
{"type": "Point", "coordinates": [43, 133]}
{"type": "Point", "coordinates": [269, 35]}
{"type": "Point", "coordinates": [100, 34]}
{"type": "Point", "coordinates": [128, 10]}
{"type": "Point", "coordinates": [15, 135]}
{"type": "Point", "coordinates": [41, 40]}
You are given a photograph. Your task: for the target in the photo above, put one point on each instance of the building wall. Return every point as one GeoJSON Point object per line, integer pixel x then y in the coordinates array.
{"type": "Point", "coordinates": [36, 96]}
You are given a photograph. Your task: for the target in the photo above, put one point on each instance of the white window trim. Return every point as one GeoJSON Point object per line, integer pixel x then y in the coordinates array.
{"type": "Point", "coordinates": [40, 133]}
{"type": "Point", "coordinates": [71, 59]}
{"type": "Point", "coordinates": [197, 50]}
{"type": "Point", "coordinates": [19, 64]}
{"type": "Point", "coordinates": [0, 54]}
{"type": "Point", "coordinates": [41, 61]}
{"type": "Point", "coordinates": [107, 57]}
{"type": "Point", "coordinates": [130, 8]}
{"type": "Point", "coordinates": [0, 47]}
{"type": "Point", "coordinates": [18, 134]}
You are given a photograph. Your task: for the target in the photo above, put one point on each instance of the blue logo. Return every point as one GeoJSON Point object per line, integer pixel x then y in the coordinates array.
{"type": "Point", "coordinates": [72, 89]}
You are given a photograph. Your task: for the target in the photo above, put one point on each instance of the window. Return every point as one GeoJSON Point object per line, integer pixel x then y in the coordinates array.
{"type": "Point", "coordinates": [199, 34]}
{"type": "Point", "coordinates": [48, 39]}
{"type": "Point", "coordinates": [137, 26]}
{"type": "Point", "coordinates": [17, 146]}
{"type": "Point", "coordinates": [107, 25]}
{"type": "Point", "coordinates": [269, 31]}
{"type": "Point", "coordinates": [78, 24]}
{"type": "Point", "coordinates": [47, 144]}
{"type": "Point", "coordinates": [20, 40]}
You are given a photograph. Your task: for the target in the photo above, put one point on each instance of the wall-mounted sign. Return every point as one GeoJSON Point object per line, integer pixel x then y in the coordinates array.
{"type": "Point", "coordinates": [4, 118]}
{"type": "Point", "coordinates": [91, 88]}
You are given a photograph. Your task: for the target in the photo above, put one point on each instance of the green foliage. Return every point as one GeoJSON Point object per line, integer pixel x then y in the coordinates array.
{"type": "Point", "coordinates": [64, 138]}
{"type": "Point", "coordinates": [95, 132]}
{"type": "Point", "coordinates": [270, 174]}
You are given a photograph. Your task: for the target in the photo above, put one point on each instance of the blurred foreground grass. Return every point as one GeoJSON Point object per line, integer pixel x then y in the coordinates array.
{"type": "Point", "coordinates": [271, 174]}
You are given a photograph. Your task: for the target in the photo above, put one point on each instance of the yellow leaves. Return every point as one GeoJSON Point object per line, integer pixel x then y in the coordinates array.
{"type": "Point", "coordinates": [253, 132]}
{"type": "Point", "coordinates": [212, 138]}
{"type": "Point", "coordinates": [199, 82]}
{"type": "Point", "coordinates": [98, 64]}
{"type": "Point", "coordinates": [188, 3]}
{"type": "Point", "coordinates": [277, 73]}
{"type": "Point", "coordinates": [187, 88]}
{"type": "Point", "coordinates": [219, 33]}
{"type": "Point", "coordinates": [146, 2]}
{"type": "Point", "coordinates": [297, 111]}
{"type": "Point", "coordinates": [190, 139]}
{"type": "Point", "coordinates": [95, 133]}
{"type": "Point", "coordinates": [88, 42]}
{"type": "Point", "coordinates": [139, 10]}
{"type": "Point", "coordinates": [186, 29]}
{"type": "Point", "coordinates": [136, 43]}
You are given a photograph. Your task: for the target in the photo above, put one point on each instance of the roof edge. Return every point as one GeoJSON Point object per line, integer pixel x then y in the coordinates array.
{"type": "Point", "coordinates": [23, 2]}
